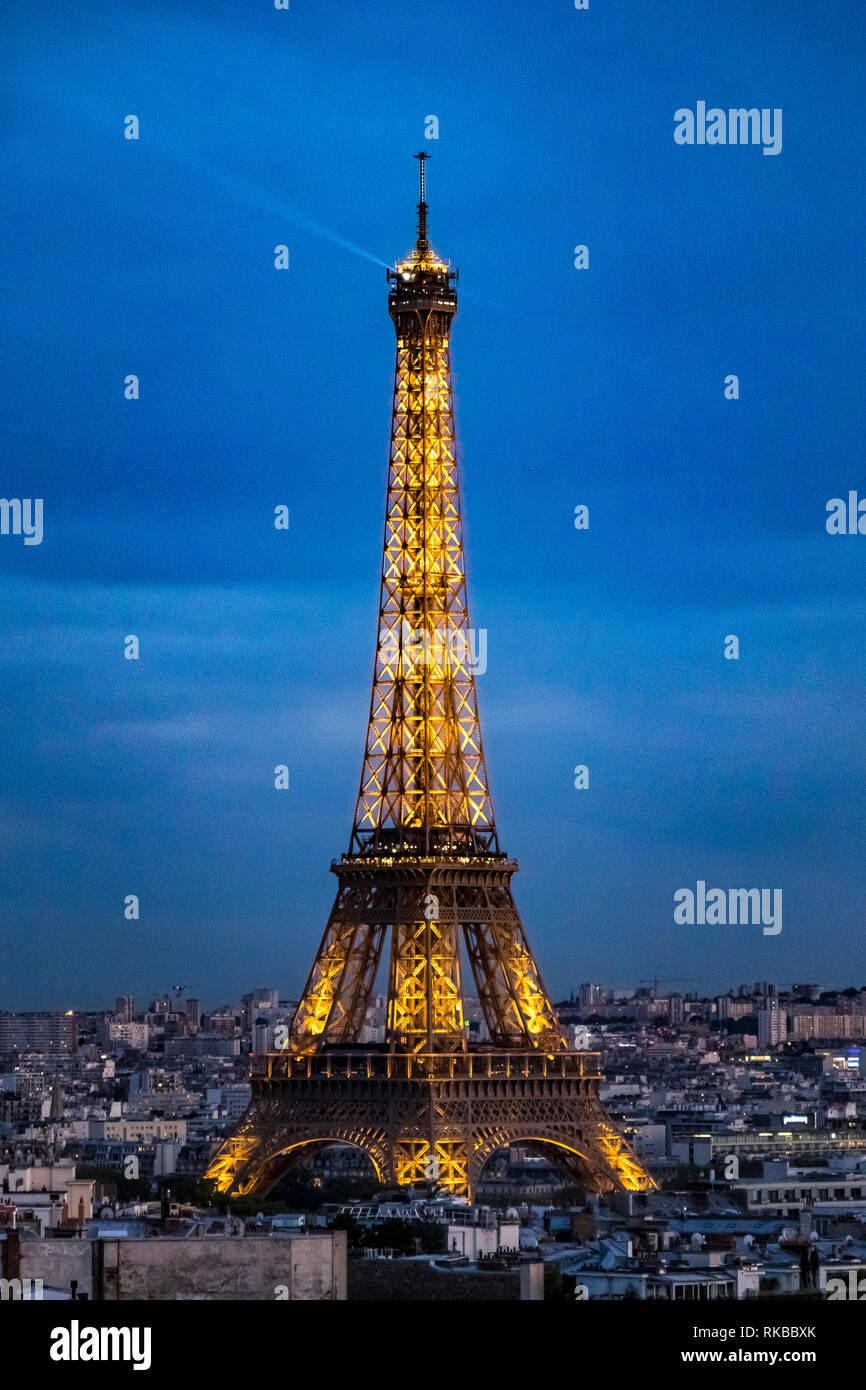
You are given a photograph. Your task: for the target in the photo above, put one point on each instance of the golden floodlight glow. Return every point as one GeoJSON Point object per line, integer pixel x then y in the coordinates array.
{"type": "Point", "coordinates": [424, 889]}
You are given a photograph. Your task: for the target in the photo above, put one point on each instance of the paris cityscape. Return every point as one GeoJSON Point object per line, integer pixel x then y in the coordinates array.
{"type": "Point", "coordinates": [468, 909]}
{"type": "Point", "coordinates": [748, 1108]}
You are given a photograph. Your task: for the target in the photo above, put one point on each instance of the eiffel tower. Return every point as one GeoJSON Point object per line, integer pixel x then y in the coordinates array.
{"type": "Point", "coordinates": [425, 873]}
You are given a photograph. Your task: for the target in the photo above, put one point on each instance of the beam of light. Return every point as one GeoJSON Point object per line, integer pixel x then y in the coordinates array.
{"type": "Point", "coordinates": [156, 143]}
{"type": "Point", "coordinates": [262, 198]}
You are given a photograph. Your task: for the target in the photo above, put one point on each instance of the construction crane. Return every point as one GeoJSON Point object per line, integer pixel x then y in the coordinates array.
{"type": "Point", "coordinates": [177, 991]}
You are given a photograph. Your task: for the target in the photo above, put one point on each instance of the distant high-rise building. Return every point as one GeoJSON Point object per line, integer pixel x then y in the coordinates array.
{"type": "Point", "coordinates": [772, 1025]}
{"type": "Point", "coordinates": [256, 1000]}
{"type": "Point", "coordinates": [193, 1013]}
{"type": "Point", "coordinates": [223, 1021]}
{"type": "Point", "coordinates": [676, 1010]}
{"type": "Point", "coordinates": [38, 1032]}
{"type": "Point", "coordinates": [829, 1023]}
{"type": "Point", "coordinates": [134, 1035]}
{"type": "Point", "coordinates": [124, 1008]}
{"type": "Point", "coordinates": [591, 995]}
{"type": "Point", "coordinates": [263, 1036]}
{"type": "Point", "coordinates": [729, 1007]}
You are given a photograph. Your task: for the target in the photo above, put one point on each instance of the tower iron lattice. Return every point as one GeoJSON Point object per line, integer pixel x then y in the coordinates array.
{"type": "Point", "coordinates": [424, 872]}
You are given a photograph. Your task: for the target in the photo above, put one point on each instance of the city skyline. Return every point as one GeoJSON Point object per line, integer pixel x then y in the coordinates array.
{"type": "Point", "coordinates": [645, 986]}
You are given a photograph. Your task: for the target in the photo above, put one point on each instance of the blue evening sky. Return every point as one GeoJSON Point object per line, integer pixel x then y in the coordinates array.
{"type": "Point", "coordinates": [260, 387]}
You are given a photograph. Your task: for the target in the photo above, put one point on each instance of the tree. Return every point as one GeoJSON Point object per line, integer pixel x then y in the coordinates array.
{"type": "Point", "coordinates": [394, 1234]}
{"type": "Point", "coordinates": [554, 1291]}
{"type": "Point", "coordinates": [433, 1236]}
{"type": "Point", "coordinates": [356, 1234]}
{"type": "Point", "coordinates": [196, 1191]}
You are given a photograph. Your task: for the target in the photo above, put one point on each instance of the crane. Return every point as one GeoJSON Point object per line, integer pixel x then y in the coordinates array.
{"type": "Point", "coordinates": [177, 991]}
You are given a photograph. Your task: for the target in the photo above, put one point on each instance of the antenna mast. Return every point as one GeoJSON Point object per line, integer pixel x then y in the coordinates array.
{"type": "Point", "coordinates": [422, 202]}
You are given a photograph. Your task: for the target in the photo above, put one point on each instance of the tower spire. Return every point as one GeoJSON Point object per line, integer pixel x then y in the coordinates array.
{"type": "Point", "coordinates": [422, 201]}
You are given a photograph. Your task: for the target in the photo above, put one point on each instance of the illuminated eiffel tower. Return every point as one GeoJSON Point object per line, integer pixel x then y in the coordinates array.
{"type": "Point", "coordinates": [424, 873]}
